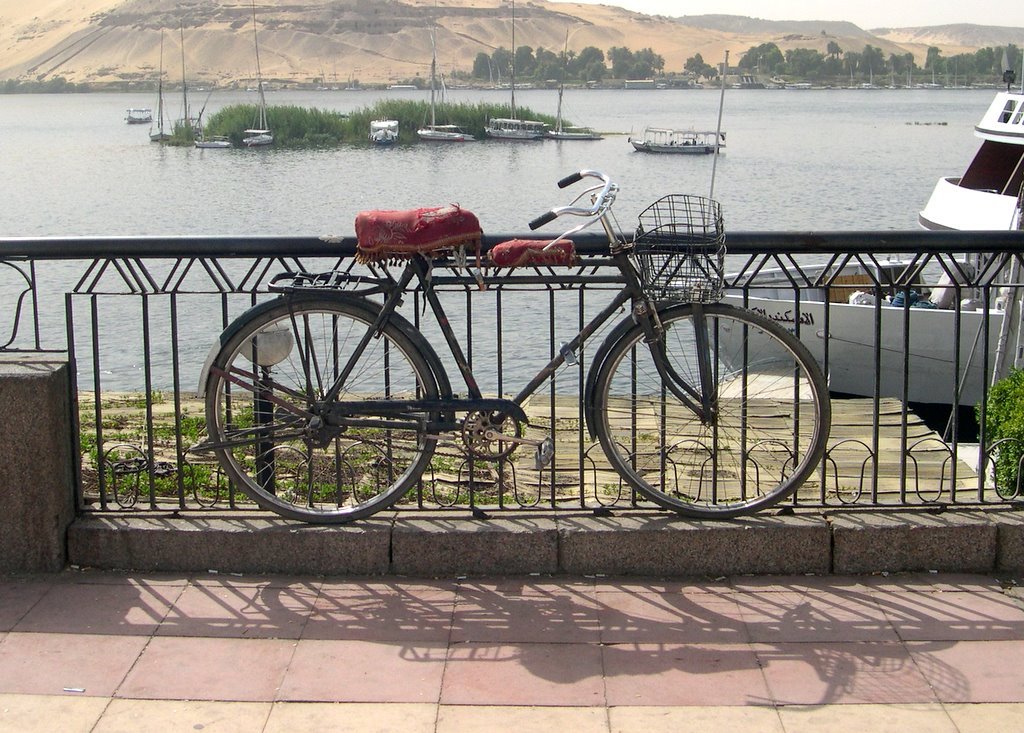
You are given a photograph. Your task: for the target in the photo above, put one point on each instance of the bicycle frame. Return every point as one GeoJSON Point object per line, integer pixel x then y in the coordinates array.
{"type": "Point", "coordinates": [697, 398]}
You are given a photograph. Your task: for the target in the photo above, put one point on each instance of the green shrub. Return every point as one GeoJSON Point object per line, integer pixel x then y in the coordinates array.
{"type": "Point", "coordinates": [302, 127]}
{"type": "Point", "coordinates": [1004, 420]}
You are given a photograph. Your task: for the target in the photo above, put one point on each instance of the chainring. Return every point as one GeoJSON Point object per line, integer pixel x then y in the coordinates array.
{"type": "Point", "coordinates": [475, 429]}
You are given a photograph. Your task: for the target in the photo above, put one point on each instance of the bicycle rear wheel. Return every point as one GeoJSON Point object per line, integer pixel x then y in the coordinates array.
{"type": "Point", "coordinates": [767, 424]}
{"type": "Point", "coordinates": [262, 412]}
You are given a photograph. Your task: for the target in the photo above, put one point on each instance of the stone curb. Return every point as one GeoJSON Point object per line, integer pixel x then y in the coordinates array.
{"type": "Point", "coordinates": [645, 544]}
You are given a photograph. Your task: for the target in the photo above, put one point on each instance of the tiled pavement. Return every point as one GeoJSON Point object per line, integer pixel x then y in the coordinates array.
{"type": "Point", "coordinates": [84, 651]}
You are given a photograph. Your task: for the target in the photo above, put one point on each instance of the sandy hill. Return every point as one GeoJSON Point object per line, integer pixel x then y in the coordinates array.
{"type": "Point", "coordinates": [374, 40]}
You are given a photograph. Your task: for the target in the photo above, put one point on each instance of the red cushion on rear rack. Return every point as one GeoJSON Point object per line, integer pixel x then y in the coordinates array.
{"type": "Point", "coordinates": [524, 252]}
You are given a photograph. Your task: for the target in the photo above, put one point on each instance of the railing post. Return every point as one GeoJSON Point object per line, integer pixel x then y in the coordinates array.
{"type": "Point", "coordinates": [37, 502]}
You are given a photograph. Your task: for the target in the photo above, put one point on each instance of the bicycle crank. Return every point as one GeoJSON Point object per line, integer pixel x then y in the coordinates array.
{"type": "Point", "coordinates": [544, 449]}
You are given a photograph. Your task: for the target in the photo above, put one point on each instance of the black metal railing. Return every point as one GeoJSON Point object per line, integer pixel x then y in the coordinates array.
{"type": "Point", "coordinates": [137, 316]}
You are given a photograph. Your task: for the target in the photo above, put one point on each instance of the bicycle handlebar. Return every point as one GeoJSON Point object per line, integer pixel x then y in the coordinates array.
{"type": "Point", "coordinates": [601, 202]}
{"type": "Point", "coordinates": [570, 179]}
{"type": "Point", "coordinates": [543, 219]}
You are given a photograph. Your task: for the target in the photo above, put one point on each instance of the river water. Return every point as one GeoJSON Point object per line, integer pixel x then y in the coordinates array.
{"type": "Point", "coordinates": [796, 160]}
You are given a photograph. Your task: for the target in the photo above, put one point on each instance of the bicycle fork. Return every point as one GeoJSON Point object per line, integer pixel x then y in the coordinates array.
{"type": "Point", "coordinates": [701, 400]}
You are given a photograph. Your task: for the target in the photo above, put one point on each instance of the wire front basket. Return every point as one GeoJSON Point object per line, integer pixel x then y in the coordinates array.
{"type": "Point", "coordinates": [679, 249]}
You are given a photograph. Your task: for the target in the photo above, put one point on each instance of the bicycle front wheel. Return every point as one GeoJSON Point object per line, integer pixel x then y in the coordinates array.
{"type": "Point", "coordinates": [765, 406]}
{"type": "Point", "coordinates": [267, 423]}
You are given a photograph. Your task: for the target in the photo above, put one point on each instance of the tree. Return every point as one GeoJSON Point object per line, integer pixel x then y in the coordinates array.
{"type": "Point", "coordinates": [699, 68]}
{"type": "Point", "coordinates": [833, 50]}
{"type": "Point", "coordinates": [588, 64]}
{"type": "Point", "coordinates": [482, 66]}
{"type": "Point", "coordinates": [804, 62]}
{"type": "Point", "coordinates": [525, 62]}
{"type": "Point", "coordinates": [501, 62]}
{"type": "Point", "coordinates": [766, 58]}
{"type": "Point", "coordinates": [622, 61]}
{"type": "Point", "coordinates": [646, 64]}
{"type": "Point", "coordinates": [872, 61]}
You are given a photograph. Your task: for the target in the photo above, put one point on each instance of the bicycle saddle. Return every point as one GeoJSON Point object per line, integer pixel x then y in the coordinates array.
{"type": "Point", "coordinates": [383, 235]}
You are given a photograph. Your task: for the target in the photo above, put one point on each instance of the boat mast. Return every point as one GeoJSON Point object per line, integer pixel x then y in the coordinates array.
{"type": "Point", "coordinates": [184, 86]}
{"type": "Point", "coordinates": [718, 130]}
{"type": "Point", "coordinates": [513, 64]}
{"type": "Point", "coordinates": [160, 92]}
{"type": "Point", "coordinates": [433, 69]}
{"type": "Point", "coordinates": [561, 84]}
{"type": "Point", "coordinates": [259, 73]}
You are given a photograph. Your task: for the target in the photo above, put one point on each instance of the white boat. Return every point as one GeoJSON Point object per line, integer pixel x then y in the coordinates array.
{"type": "Point", "coordinates": [678, 142]}
{"type": "Point", "coordinates": [259, 135]}
{"type": "Point", "coordinates": [568, 132]}
{"type": "Point", "coordinates": [138, 115]}
{"type": "Point", "coordinates": [985, 196]}
{"type": "Point", "coordinates": [915, 347]}
{"type": "Point", "coordinates": [435, 132]}
{"type": "Point", "coordinates": [444, 134]}
{"type": "Point", "coordinates": [512, 128]}
{"type": "Point", "coordinates": [574, 132]}
{"type": "Point", "coordinates": [214, 143]}
{"type": "Point", "coordinates": [384, 132]}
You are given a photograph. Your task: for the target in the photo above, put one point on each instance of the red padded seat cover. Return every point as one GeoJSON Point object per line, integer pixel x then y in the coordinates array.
{"type": "Point", "coordinates": [389, 234]}
{"type": "Point", "coordinates": [522, 252]}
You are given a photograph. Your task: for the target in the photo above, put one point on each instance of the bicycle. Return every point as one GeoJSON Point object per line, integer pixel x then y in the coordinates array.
{"type": "Point", "coordinates": [326, 405]}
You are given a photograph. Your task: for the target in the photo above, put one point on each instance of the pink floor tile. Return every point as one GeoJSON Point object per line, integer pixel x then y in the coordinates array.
{"type": "Point", "coordinates": [659, 586]}
{"type": "Point", "coordinates": [933, 582]}
{"type": "Point", "coordinates": [953, 616]}
{"type": "Point", "coordinates": [528, 586]}
{"type": "Point", "coordinates": [691, 674]}
{"type": "Point", "coordinates": [814, 615]}
{"type": "Point", "coordinates": [364, 671]}
{"type": "Point", "coordinates": [629, 617]}
{"type": "Point", "coordinates": [972, 671]}
{"type": "Point", "coordinates": [101, 608]}
{"type": "Point", "coordinates": [535, 616]}
{"type": "Point", "coordinates": [248, 670]}
{"type": "Point", "coordinates": [523, 674]}
{"type": "Point", "coordinates": [17, 597]}
{"type": "Point", "coordinates": [830, 673]}
{"type": "Point", "coordinates": [240, 611]}
{"type": "Point", "coordinates": [230, 580]}
{"type": "Point", "coordinates": [76, 664]}
{"type": "Point", "coordinates": [798, 583]}
{"type": "Point", "coordinates": [382, 612]}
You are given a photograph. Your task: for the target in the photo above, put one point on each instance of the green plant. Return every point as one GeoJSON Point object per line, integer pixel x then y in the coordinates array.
{"type": "Point", "coordinates": [1004, 424]}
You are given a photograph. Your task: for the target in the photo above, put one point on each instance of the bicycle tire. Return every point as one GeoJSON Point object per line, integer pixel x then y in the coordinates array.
{"type": "Point", "coordinates": [261, 420]}
{"type": "Point", "coordinates": [770, 418]}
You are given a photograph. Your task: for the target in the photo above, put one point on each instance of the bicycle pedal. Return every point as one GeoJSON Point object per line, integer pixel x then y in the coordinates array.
{"type": "Point", "coordinates": [545, 452]}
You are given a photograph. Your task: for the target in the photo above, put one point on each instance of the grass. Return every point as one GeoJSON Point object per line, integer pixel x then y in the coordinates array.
{"type": "Point", "coordinates": [304, 127]}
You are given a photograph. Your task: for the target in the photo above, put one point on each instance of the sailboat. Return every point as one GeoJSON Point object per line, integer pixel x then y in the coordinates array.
{"type": "Point", "coordinates": [259, 135]}
{"type": "Point", "coordinates": [435, 132]}
{"type": "Point", "coordinates": [186, 126]}
{"type": "Point", "coordinates": [512, 128]}
{"type": "Point", "coordinates": [562, 132]}
{"type": "Point", "coordinates": [202, 141]}
{"type": "Point", "coordinates": [160, 135]}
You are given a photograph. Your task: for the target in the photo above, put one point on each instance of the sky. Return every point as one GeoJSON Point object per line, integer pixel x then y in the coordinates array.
{"type": "Point", "coordinates": [865, 13]}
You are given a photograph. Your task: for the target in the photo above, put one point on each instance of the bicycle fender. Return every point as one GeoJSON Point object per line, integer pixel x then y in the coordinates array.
{"type": "Point", "coordinates": [369, 308]}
